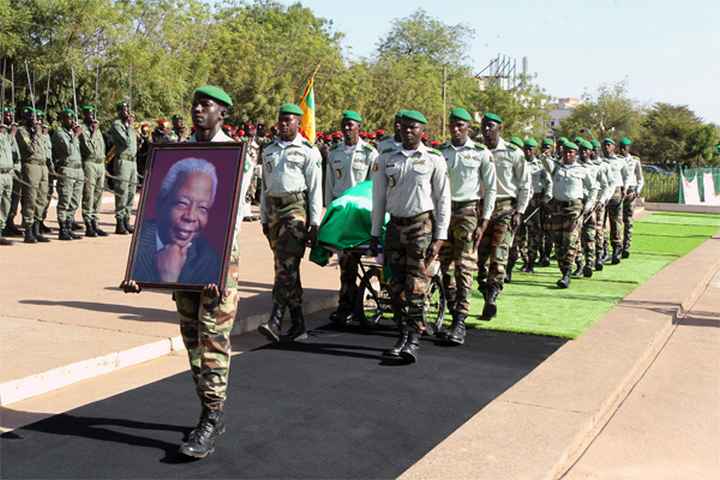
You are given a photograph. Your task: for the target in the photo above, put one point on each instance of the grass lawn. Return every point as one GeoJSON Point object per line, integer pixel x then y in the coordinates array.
{"type": "Point", "coordinates": [533, 304]}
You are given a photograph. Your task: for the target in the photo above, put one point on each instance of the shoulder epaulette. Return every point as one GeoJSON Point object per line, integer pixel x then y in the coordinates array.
{"type": "Point", "coordinates": [307, 144]}
{"type": "Point", "coordinates": [435, 152]}
{"type": "Point", "coordinates": [480, 146]}
{"type": "Point", "coordinates": [368, 148]}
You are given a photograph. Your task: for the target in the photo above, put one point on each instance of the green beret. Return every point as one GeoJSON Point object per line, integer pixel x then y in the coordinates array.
{"type": "Point", "coordinates": [595, 143]}
{"type": "Point", "coordinates": [492, 117]}
{"type": "Point", "coordinates": [216, 93]}
{"type": "Point", "coordinates": [121, 104]}
{"type": "Point", "coordinates": [563, 139]}
{"type": "Point", "coordinates": [29, 110]}
{"type": "Point", "coordinates": [415, 116]}
{"type": "Point", "coordinates": [88, 107]}
{"type": "Point", "coordinates": [176, 117]}
{"type": "Point", "coordinates": [400, 113]}
{"type": "Point", "coordinates": [291, 109]}
{"type": "Point", "coordinates": [548, 142]}
{"type": "Point", "coordinates": [625, 141]}
{"type": "Point", "coordinates": [352, 115]}
{"type": "Point", "coordinates": [8, 109]}
{"type": "Point", "coordinates": [460, 114]}
{"type": "Point", "coordinates": [531, 143]}
{"type": "Point", "coordinates": [586, 145]}
{"type": "Point", "coordinates": [517, 141]}
{"type": "Point", "coordinates": [570, 146]}
{"type": "Point", "coordinates": [608, 141]}
{"type": "Point", "coordinates": [68, 111]}
{"type": "Point", "coordinates": [578, 139]}
{"type": "Point", "coordinates": [39, 112]}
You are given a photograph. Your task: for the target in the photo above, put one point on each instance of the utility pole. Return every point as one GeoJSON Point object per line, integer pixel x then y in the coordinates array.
{"type": "Point", "coordinates": [444, 101]}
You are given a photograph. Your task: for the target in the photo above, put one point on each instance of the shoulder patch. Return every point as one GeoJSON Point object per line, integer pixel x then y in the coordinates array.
{"type": "Point", "coordinates": [480, 146]}
{"type": "Point", "coordinates": [435, 152]}
{"type": "Point", "coordinates": [307, 144]}
{"type": "Point", "coordinates": [368, 148]}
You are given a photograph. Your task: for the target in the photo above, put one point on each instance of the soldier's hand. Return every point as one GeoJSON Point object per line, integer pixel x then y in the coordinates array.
{"type": "Point", "coordinates": [516, 220]}
{"type": "Point", "coordinates": [211, 291]}
{"type": "Point", "coordinates": [170, 261]}
{"type": "Point", "coordinates": [374, 246]}
{"type": "Point", "coordinates": [479, 231]}
{"type": "Point", "coordinates": [433, 250]}
{"type": "Point", "coordinates": [130, 286]}
{"type": "Point", "coordinates": [311, 236]}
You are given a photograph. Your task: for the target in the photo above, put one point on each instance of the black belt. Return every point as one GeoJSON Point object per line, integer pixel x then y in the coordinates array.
{"type": "Point", "coordinates": [6, 170]}
{"type": "Point", "coordinates": [463, 204]}
{"type": "Point", "coordinates": [403, 221]}
{"type": "Point", "coordinates": [286, 199]}
{"type": "Point", "coordinates": [569, 203]}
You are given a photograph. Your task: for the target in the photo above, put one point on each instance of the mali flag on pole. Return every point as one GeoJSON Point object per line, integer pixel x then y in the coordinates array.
{"type": "Point", "coordinates": [307, 105]}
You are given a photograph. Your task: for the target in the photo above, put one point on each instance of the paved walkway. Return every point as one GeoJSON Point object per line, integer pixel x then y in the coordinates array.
{"type": "Point", "coordinates": [669, 425]}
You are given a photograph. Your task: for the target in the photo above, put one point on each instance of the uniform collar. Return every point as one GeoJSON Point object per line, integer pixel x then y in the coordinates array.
{"type": "Point", "coordinates": [502, 145]}
{"type": "Point", "coordinates": [469, 143]}
{"type": "Point", "coordinates": [220, 136]}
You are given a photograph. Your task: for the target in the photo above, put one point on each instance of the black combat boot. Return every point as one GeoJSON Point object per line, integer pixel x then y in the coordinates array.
{"type": "Point", "coordinates": [564, 282]}
{"type": "Point", "coordinates": [128, 227]}
{"type": "Point", "coordinates": [599, 264]}
{"type": "Point", "coordinates": [44, 228]}
{"type": "Point", "coordinates": [530, 265]}
{"type": "Point", "coordinates": [409, 352]}
{"type": "Point", "coordinates": [271, 328]}
{"type": "Point", "coordinates": [615, 256]}
{"type": "Point", "coordinates": [63, 233]}
{"type": "Point", "coordinates": [75, 226]}
{"type": "Point", "coordinates": [98, 231]}
{"type": "Point", "coordinates": [29, 235]}
{"type": "Point", "coordinates": [509, 270]}
{"type": "Point", "coordinates": [341, 317]}
{"type": "Point", "coordinates": [201, 441]}
{"type": "Point", "coordinates": [69, 229]}
{"type": "Point", "coordinates": [89, 230]}
{"type": "Point", "coordinates": [587, 271]}
{"type": "Point", "coordinates": [120, 227]}
{"type": "Point", "coordinates": [5, 241]}
{"type": "Point", "coordinates": [456, 334]}
{"type": "Point", "coordinates": [297, 328]}
{"type": "Point", "coordinates": [544, 261]}
{"type": "Point", "coordinates": [490, 307]}
{"type": "Point", "coordinates": [11, 230]}
{"type": "Point", "coordinates": [36, 233]}
{"type": "Point", "coordinates": [578, 269]}
{"type": "Point", "coordinates": [393, 354]}
{"type": "Point", "coordinates": [625, 251]}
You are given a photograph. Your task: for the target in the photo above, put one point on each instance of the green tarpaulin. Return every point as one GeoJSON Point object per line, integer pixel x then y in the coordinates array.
{"type": "Point", "coordinates": [347, 222]}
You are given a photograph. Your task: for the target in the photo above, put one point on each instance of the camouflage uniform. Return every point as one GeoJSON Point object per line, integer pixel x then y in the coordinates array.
{"type": "Point", "coordinates": [589, 222]}
{"type": "Point", "coordinates": [472, 178]}
{"type": "Point", "coordinates": [52, 180]}
{"type": "Point", "coordinates": [33, 155]}
{"type": "Point", "coordinates": [634, 186]}
{"type": "Point", "coordinates": [16, 186]}
{"type": "Point", "coordinates": [619, 176]}
{"type": "Point", "coordinates": [291, 198]}
{"type": "Point", "coordinates": [6, 175]}
{"type": "Point", "coordinates": [124, 139]}
{"type": "Point", "coordinates": [413, 187]}
{"type": "Point", "coordinates": [68, 163]}
{"type": "Point", "coordinates": [513, 195]}
{"type": "Point", "coordinates": [603, 198]}
{"type": "Point", "coordinates": [92, 149]}
{"type": "Point", "coordinates": [205, 325]}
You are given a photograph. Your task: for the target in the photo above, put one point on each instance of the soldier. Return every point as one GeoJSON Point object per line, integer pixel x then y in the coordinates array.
{"type": "Point", "coordinates": [632, 191]}
{"type": "Point", "coordinates": [348, 164]}
{"type": "Point", "coordinates": [535, 220]}
{"type": "Point", "coordinates": [604, 197]}
{"type": "Point", "coordinates": [411, 183]}
{"type": "Point", "coordinates": [254, 148]}
{"type": "Point", "coordinates": [619, 177]}
{"type": "Point", "coordinates": [68, 165]}
{"type": "Point", "coordinates": [396, 140]}
{"type": "Point", "coordinates": [472, 191]}
{"type": "Point", "coordinates": [548, 147]}
{"type": "Point", "coordinates": [585, 260]}
{"type": "Point", "coordinates": [513, 196]}
{"type": "Point", "coordinates": [7, 168]}
{"type": "Point", "coordinates": [291, 210]}
{"type": "Point", "coordinates": [92, 150]}
{"type": "Point", "coordinates": [33, 156]}
{"type": "Point", "coordinates": [163, 132]}
{"type": "Point", "coordinates": [569, 181]}
{"type": "Point", "coordinates": [52, 179]}
{"type": "Point", "coordinates": [207, 317]}
{"type": "Point", "coordinates": [11, 230]}
{"type": "Point", "coordinates": [124, 141]}
{"type": "Point", "coordinates": [179, 132]}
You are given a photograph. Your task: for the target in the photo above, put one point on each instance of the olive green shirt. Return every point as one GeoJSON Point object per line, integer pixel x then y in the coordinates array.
{"type": "Point", "coordinates": [124, 139]}
{"type": "Point", "coordinates": [92, 145]}
{"type": "Point", "coordinates": [66, 149]}
{"type": "Point", "coordinates": [31, 147]}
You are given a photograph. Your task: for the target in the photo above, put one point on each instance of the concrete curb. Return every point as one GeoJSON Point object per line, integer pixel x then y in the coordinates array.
{"type": "Point", "coordinates": [675, 207]}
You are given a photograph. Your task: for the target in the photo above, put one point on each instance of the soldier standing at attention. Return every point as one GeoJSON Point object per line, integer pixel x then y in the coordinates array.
{"type": "Point", "coordinates": [632, 191]}
{"type": "Point", "coordinates": [68, 164]}
{"type": "Point", "coordinates": [619, 176]}
{"type": "Point", "coordinates": [6, 178]}
{"type": "Point", "coordinates": [472, 191]}
{"type": "Point", "coordinates": [11, 230]}
{"type": "Point", "coordinates": [124, 139]}
{"type": "Point", "coordinates": [513, 196]}
{"type": "Point", "coordinates": [52, 180]}
{"type": "Point", "coordinates": [33, 156]}
{"type": "Point", "coordinates": [92, 150]}
{"type": "Point", "coordinates": [604, 197]}
{"type": "Point", "coordinates": [207, 317]}
{"type": "Point", "coordinates": [349, 163]}
{"type": "Point", "coordinates": [395, 141]}
{"type": "Point", "coordinates": [291, 210]}
{"type": "Point", "coordinates": [570, 180]}
{"type": "Point", "coordinates": [541, 196]}
{"type": "Point", "coordinates": [410, 183]}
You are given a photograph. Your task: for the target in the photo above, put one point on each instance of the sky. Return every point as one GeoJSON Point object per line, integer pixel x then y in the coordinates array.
{"type": "Point", "coordinates": [666, 51]}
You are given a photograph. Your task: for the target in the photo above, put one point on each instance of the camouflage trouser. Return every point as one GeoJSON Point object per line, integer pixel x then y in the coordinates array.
{"type": "Point", "coordinates": [565, 228]}
{"type": "Point", "coordinates": [126, 170]}
{"type": "Point", "coordinates": [587, 239]}
{"type": "Point", "coordinates": [535, 227]}
{"type": "Point", "coordinates": [287, 229]}
{"type": "Point", "coordinates": [6, 186]}
{"type": "Point", "coordinates": [348, 280]}
{"type": "Point", "coordinates": [254, 184]}
{"type": "Point", "coordinates": [50, 192]}
{"type": "Point", "coordinates": [34, 195]}
{"type": "Point", "coordinates": [615, 217]}
{"type": "Point", "coordinates": [406, 244]}
{"type": "Point", "coordinates": [69, 189]}
{"type": "Point", "coordinates": [15, 198]}
{"type": "Point", "coordinates": [495, 244]}
{"type": "Point", "coordinates": [205, 325]}
{"type": "Point", "coordinates": [93, 190]}
{"type": "Point", "coordinates": [458, 257]}
{"type": "Point", "coordinates": [628, 210]}
{"type": "Point", "coordinates": [600, 232]}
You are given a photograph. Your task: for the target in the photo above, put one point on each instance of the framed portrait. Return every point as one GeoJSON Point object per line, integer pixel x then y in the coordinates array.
{"type": "Point", "coordinates": [187, 217]}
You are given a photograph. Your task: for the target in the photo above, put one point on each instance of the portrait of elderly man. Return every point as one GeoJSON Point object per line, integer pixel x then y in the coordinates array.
{"type": "Point", "coordinates": [172, 247]}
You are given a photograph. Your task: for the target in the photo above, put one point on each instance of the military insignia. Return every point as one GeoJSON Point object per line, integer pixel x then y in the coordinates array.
{"type": "Point", "coordinates": [338, 173]}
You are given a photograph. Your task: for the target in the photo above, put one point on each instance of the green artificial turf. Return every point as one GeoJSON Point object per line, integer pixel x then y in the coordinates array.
{"type": "Point", "coordinates": [533, 304]}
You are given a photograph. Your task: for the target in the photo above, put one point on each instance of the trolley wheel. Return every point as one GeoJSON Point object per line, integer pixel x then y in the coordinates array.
{"type": "Point", "coordinates": [436, 302]}
{"type": "Point", "coordinates": [372, 300]}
